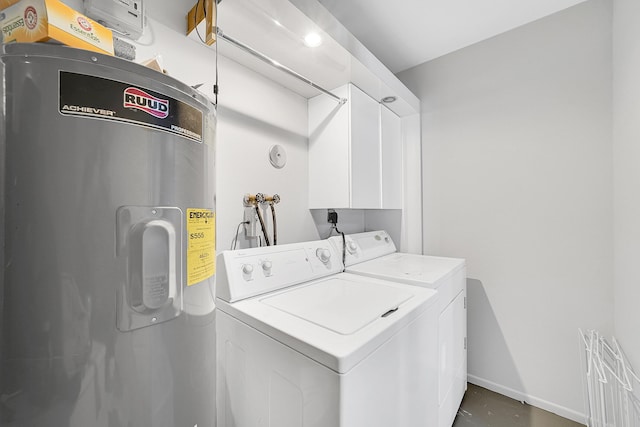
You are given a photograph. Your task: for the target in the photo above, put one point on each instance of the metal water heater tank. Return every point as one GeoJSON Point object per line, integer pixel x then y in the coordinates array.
{"type": "Point", "coordinates": [107, 255]}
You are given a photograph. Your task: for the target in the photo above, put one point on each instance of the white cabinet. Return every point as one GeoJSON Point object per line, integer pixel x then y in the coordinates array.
{"type": "Point", "coordinates": [329, 152]}
{"type": "Point", "coordinates": [345, 169]}
{"type": "Point", "coordinates": [391, 155]}
{"type": "Point", "coordinates": [365, 150]}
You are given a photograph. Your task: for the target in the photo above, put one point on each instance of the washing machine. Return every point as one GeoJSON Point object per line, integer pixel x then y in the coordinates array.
{"type": "Point", "coordinates": [373, 254]}
{"type": "Point", "coordinates": [302, 344]}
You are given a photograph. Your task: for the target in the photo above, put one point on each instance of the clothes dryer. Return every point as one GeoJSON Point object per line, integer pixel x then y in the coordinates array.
{"type": "Point", "coordinates": [373, 254]}
{"type": "Point", "coordinates": [302, 344]}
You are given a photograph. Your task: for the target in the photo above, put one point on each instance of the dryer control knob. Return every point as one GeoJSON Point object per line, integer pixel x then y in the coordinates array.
{"type": "Point", "coordinates": [247, 271]}
{"type": "Point", "coordinates": [352, 246]}
{"type": "Point", "coordinates": [266, 268]}
{"type": "Point", "coordinates": [323, 254]}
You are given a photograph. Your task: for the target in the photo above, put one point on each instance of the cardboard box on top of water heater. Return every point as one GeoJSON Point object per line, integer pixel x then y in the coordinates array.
{"type": "Point", "coordinates": [50, 20]}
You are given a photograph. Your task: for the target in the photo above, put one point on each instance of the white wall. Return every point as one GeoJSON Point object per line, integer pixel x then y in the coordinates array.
{"type": "Point", "coordinates": [517, 167]}
{"type": "Point", "coordinates": [349, 221]}
{"type": "Point", "coordinates": [254, 113]}
{"type": "Point", "coordinates": [626, 161]}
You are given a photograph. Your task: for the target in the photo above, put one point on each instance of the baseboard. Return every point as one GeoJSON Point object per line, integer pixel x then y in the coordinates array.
{"type": "Point", "coordinates": [531, 400]}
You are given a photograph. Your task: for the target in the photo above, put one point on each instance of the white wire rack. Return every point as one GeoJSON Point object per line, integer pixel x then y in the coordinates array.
{"type": "Point", "coordinates": [612, 389]}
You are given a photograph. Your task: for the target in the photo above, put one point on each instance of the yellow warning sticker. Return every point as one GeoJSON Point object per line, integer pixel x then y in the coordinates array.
{"type": "Point", "coordinates": [201, 245]}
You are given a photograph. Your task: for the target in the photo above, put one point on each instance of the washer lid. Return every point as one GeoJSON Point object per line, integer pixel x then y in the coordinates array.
{"type": "Point", "coordinates": [309, 317]}
{"type": "Point", "coordinates": [410, 268]}
{"type": "Point", "coordinates": [338, 304]}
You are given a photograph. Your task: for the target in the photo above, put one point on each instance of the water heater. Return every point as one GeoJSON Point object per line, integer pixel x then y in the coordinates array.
{"type": "Point", "coordinates": [107, 255]}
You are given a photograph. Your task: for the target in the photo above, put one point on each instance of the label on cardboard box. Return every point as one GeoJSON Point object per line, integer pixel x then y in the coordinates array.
{"type": "Point", "coordinates": [41, 20]}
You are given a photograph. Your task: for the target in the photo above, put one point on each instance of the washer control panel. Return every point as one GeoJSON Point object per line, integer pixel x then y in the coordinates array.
{"type": "Point", "coordinates": [266, 267]}
{"type": "Point", "coordinates": [247, 273]}
{"type": "Point", "coordinates": [323, 255]}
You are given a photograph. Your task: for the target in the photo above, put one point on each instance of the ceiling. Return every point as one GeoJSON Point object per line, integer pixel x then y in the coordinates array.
{"type": "Point", "coordinates": [276, 29]}
{"type": "Point", "coordinates": [406, 33]}
{"type": "Point", "coordinates": [364, 41]}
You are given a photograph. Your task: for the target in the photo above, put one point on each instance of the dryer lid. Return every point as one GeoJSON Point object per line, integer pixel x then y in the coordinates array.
{"type": "Point", "coordinates": [410, 268]}
{"type": "Point", "coordinates": [341, 305]}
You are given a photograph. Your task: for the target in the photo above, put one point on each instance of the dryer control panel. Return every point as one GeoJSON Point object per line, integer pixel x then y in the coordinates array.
{"type": "Point", "coordinates": [363, 247]}
{"type": "Point", "coordinates": [250, 272]}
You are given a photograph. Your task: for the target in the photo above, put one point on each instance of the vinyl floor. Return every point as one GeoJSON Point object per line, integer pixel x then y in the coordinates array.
{"type": "Point", "coordinates": [482, 407]}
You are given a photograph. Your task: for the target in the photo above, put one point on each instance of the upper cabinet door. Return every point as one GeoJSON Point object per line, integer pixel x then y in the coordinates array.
{"type": "Point", "coordinates": [366, 191]}
{"type": "Point", "coordinates": [391, 149]}
{"type": "Point", "coordinates": [329, 152]}
{"type": "Point", "coordinates": [345, 153]}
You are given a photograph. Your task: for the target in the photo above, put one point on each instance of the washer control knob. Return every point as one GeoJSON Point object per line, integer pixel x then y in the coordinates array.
{"type": "Point", "coordinates": [352, 247]}
{"type": "Point", "coordinates": [323, 254]}
{"type": "Point", "coordinates": [266, 267]}
{"type": "Point", "coordinates": [247, 271]}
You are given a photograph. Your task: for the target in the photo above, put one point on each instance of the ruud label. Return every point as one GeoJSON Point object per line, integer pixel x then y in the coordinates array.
{"type": "Point", "coordinates": [138, 99]}
{"type": "Point", "coordinates": [89, 96]}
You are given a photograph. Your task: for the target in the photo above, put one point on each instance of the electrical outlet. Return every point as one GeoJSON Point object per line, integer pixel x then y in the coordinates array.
{"type": "Point", "coordinates": [332, 216]}
{"type": "Point", "coordinates": [251, 229]}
